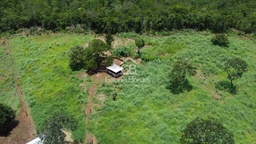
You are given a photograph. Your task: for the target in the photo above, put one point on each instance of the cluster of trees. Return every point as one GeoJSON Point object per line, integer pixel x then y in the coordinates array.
{"type": "Point", "coordinates": [91, 57]}
{"type": "Point", "coordinates": [129, 15]}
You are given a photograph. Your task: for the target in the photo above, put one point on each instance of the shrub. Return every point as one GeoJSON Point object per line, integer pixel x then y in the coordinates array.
{"type": "Point", "coordinates": [123, 52]}
{"type": "Point", "coordinates": [220, 40]}
{"type": "Point", "coordinates": [7, 115]}
{"type": "Point", "coordinates": [109, 39]}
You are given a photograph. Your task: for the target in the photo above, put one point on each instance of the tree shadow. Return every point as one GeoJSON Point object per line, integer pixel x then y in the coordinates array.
{"type": "Point", "coordinates": [7, 131]}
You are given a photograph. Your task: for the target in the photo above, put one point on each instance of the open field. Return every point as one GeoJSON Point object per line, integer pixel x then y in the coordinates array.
{"type": "Point", "coordinates": [48, 83]}
{"type": "Point", "coordinates": [145, 111]}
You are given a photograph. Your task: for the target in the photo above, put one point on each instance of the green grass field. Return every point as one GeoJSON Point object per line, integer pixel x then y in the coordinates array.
{"type": "Point", "coordinates": [150, 113]}
{"type": "Point", "coordinates": [8, 91]}
{"type": "Point", "coordinates": [145, 111]}
{"type": "Point", "coordinates": [48, 83]}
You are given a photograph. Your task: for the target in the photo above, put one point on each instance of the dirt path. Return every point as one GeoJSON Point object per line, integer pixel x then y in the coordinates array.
{"type": "Point", "coordinates": [25, 130]}
{"type": "Point", "coordinates": [97, 79]}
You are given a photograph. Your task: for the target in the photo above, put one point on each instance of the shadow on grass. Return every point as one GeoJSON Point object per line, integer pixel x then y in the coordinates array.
{"type": "Point", "coordinates": [7, 131]}
{"type": "Point", "coordinates": [226, 86]}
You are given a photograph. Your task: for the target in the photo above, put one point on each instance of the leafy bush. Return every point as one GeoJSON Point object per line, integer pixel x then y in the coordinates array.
{"type": "Point", "coordinates": [7, 115]}
{"type": "Point", "coordinates": [208, 131]}
{"type": "Point", "coordinates": [123, 51]}
{"type": "Point", "coordinates": [220, 40]}
{"type": "Point", "coordinates": [109, 39]}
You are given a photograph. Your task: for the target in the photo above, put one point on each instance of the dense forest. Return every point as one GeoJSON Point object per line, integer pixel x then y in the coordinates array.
{"type": "Point", "coordinates": [114, 16]}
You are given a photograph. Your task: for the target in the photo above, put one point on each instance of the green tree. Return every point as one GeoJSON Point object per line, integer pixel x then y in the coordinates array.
{"type": "Point", "coordinates": [235, 68]}
{"type": "Point", "coordinates": [220, 40]}
{"type": "Point", "coordinates": [76, 57]}
{"type": "Point", "coordinates": [109, 39]}
{"type": "Point", "coordinates": [206, 131]}
{"type": "Point", "coordinates": [140, 43]}
{"type": "Point", "coordinates": [52, 132]}
{"type": "Point", "coordinates": [178, 76]}
{"type": "Point", "coordinates": [7, 115]}
{"type": "Point", "coordinates": [109, 61]}
{"type": "Point", "coordinates": [95, 55]}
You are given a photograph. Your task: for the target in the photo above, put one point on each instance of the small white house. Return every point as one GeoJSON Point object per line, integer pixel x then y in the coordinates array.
{"type": "Point", "coordinates": [115, 70]}
{"type": "Point", "coordinates": [36, 141]}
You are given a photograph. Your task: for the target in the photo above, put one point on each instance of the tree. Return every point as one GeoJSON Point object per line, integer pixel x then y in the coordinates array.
{"type": "Point", "coordinates": [109, 61]}
{"type": "Point", "coordinates": [209, 131]}
{"type": "Point", "coordinates": [178, 81]}
{"type": "Point", "coordinates": [235, 68]}
{"type": "Point", "coordinates": [52, 132]}
{"type": "Point", "coordinates": [140, 43]}
{"type": "Point", "coordinates": [76, 57]}
{"type": "Point", "coordinates": [89, 58]}
{"type": "Point", "coordinates": [7, 116]}
{"type": "Point", "coordinates": [220, 40]}
{"type": "Point", "coordinates": [109, 39]}
{"type": "Point", "coordinates": [95, 55]}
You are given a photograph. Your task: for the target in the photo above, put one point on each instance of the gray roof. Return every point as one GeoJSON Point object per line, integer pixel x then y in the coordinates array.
{"type": "Point", "coordinates": [115, 68]}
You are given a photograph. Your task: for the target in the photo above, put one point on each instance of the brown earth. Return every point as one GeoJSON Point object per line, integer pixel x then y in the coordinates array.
{"type": "Point", "coordinates": [24, 130]}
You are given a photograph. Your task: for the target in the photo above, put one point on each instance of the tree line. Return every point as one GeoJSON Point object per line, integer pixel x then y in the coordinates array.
{"type": "Point", "coordinates": [112, 16]}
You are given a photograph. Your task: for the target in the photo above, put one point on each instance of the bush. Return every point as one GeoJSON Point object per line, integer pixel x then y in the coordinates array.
{"type": "Point", "coordinates": [7, 116]}
{"type": "Point", "coordinates": [220, 40]}
{"type": "Point", "coordinates": [208, 131]}
{"type": "Point", "coordinates": [123, 52]}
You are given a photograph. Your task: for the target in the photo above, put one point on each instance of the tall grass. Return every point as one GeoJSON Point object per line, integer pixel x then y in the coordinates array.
{"type": "Point", "coordinates": [150, 113]}
{"type": "Point", "coordinates": [8, 91]}
{"type": "Point", "coordinates": [48, 83]}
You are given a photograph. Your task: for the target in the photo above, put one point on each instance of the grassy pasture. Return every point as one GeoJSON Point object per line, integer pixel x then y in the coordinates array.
{"type": "Point", "coordinates": [8, 91]}
{"type": "Point", "coordinates": [48, 83]}
{"type": "Point", "coordinates": [147, 112]}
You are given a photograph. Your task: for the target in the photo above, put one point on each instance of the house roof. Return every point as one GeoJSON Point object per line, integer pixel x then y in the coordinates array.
{"type": "Point", "coordinates": [115, 68]}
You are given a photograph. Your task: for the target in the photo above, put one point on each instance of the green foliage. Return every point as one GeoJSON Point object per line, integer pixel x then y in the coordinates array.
{"type": "Point", "coordinates": [76, 57]}
{"type": "Point", "coordinates": [109, 39]}
{"type": "Point", "coordinates": [124, 51]}
{"type": "Point", "coordinates": [209, 131]}
{"type": "Point", "coordinates": [178, 76]}
{"type": "Point", "coordinates": [235, 68]}
{"type": "Point", "coordinates": [89, 58]}
{"type": "Point", "coordinates": [7, 116]}
{"type": "Point", "coordinates": [220, 40]}
{"type": "Point", "coordinates": [52, 130]}
{"type": "Point", "coordinates": [109, 61]}
{"type": "Point", "coordinates": [140, 43]}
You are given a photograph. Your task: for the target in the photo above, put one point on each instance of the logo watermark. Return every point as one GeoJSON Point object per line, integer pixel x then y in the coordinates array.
{"type": "Point", "coordinates": [130, 75]}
